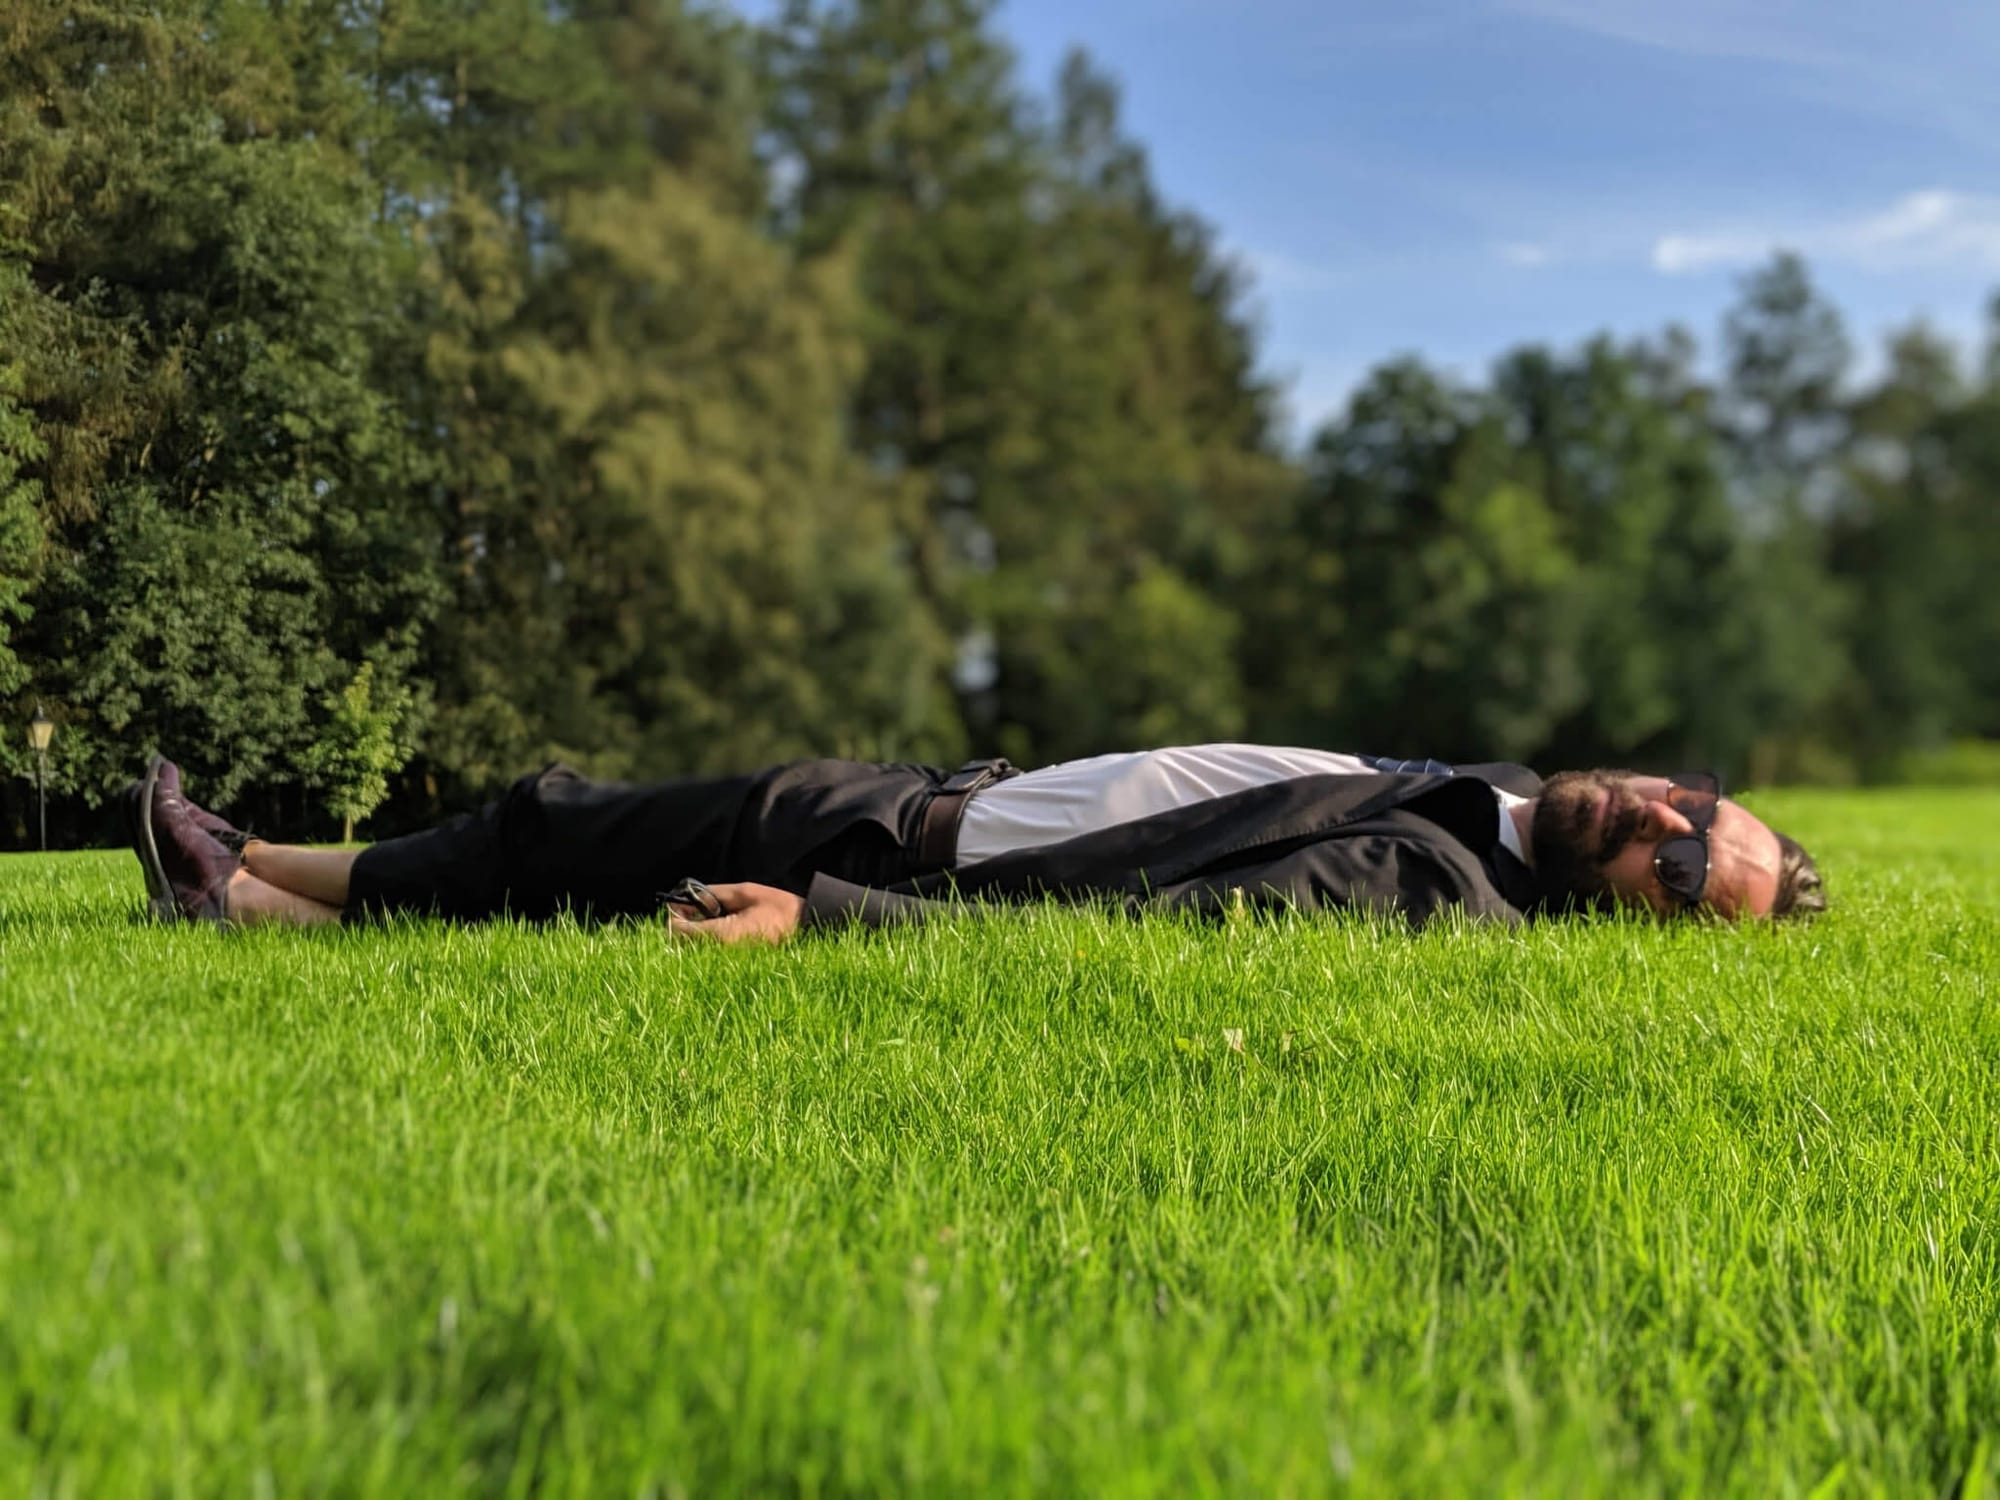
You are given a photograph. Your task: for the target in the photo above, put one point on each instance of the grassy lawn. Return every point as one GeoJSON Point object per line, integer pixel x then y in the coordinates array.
{"type": "Point", "coordinates": [1002, 1207]}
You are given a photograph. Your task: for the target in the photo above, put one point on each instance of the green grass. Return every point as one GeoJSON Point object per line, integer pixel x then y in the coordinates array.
{"type": "Point", "coordinates": [997, 1207]}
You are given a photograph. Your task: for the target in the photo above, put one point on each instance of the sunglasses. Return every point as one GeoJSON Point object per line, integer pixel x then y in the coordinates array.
{"type": "Point", "coordinates": [1681, 862]}
{"type": "Point", "coordinates": [707, 905]}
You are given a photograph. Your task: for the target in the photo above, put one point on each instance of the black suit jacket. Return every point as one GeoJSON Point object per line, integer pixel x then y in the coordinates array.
{"type": "Point", "coordinates": [1403, 843]}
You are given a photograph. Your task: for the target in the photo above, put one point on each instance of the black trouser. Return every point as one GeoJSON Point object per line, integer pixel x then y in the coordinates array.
{"type": "Point", "coordinates": [555, 841]}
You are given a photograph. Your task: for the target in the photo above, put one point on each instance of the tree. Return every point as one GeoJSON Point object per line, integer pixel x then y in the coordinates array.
{"type": "Point", "coordinates": [1787, 354]}
{"type": "Point", "coordinates": [20, 516]}
{"type": "Point", "coordinates": [898, 133]}
{"type": "Point", "coordinates": [1669, 636]}
{"type": "Point", "coordinates": [1782, 414]}
{"type": "Point", "coordinates": [721, 543]}
{"type": "Point", "coordinates": [1136, 466]}
{"type": "Point", "coordinates": [1060, 377]}
{"type": "Point", "coordinates": [1426, 592]}
{"type": "Point", "coordinates": [217, 474]}
{"type": "Point", "coordinates": [361, 743]}
{"type": "Point", "coordinates": [662, 552]}
{"type": "Point", "coordinates": [1899, 543]}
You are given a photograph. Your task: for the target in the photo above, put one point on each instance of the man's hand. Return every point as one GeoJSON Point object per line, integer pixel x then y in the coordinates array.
{"type": "Point", "coordinates": [751, 914]}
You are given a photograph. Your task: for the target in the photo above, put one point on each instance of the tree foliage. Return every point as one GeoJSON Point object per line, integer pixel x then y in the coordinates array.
{"type": "Point", "coordinates": [627, 383]}
{"type": "Point", "coordinates": [358, 748]}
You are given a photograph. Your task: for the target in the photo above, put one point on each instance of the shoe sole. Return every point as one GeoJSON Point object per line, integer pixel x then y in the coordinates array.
{"type": "Point", "coordinates": [164, 907]}
{"type": "Point", "coordinates": [159, 903]}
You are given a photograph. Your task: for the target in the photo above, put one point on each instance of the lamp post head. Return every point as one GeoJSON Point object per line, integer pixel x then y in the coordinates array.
{"type": "Point", "coordinates": [41, 729]}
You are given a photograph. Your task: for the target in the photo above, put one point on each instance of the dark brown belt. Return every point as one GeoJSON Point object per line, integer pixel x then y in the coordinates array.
{"type": "Point", "coordinates": [937, 836]}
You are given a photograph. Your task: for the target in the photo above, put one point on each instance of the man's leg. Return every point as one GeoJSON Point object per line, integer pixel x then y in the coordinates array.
{"type": "Point", "coordinates": [226, 874]}
{"type": "Point", "coordinates": [553, 841]}
{"type": "Point", "coordinates": [252, 902]}
{"type": "Point", "coordinates": [556, 841]}
{"type": "Point", "coordinates": [317, 873]}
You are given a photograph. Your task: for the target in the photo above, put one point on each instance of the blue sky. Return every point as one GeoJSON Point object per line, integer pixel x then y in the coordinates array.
{"type": "Point", "coordinates": [1454, 177]}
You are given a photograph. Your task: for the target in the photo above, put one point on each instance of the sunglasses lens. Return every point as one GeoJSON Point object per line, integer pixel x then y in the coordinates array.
{"type": "Point", "coordinates": [1694, 798]}
{"type": "Point", "coordinates": [1682, 864]}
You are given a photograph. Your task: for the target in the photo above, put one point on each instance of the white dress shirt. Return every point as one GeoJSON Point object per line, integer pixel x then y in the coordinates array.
{"type": "Point", "coordinates": [1087, 796]}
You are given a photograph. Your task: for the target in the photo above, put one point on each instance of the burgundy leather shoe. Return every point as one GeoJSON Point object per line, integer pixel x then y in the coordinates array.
{"type": "Point", "coordinates": [220, 829]}
{"type": "Point", "coordinates": [196, 867]}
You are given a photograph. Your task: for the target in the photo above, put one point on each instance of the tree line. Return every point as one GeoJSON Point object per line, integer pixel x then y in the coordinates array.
{"type": "Point", "coordinates": [398, 394]}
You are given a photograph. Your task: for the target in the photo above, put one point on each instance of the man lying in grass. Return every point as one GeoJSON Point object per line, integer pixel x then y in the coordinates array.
{"type": "Point", "coordinates": [823, 842]}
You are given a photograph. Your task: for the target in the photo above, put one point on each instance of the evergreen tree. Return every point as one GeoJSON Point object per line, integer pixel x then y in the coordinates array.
{"type": "Point", "coordinates": [1627, 457]}
{"type": "Point", "coordinates": [1426, 591]}
{"type": "Point", "coordinates": [1781, 410]}
{"type": "Point", "coordinates": [714, 562]}
{"type": "Point", "coordinates": [898, 130]}
{"type": "Point", "coordinates": [1137, 466]}
{"type": "Point", "coordinates": [1059, 372]}
{"type": "Point", "coordinates": [1899, 542]}
{"type": "Point", "coordinates": [1787, 354]}
{"type": "Point", "coordinates": [1972, 437]}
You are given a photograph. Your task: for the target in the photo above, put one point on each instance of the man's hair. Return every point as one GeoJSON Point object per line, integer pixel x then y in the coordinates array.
{"type": "Point", "coordinates": [1801, 892]}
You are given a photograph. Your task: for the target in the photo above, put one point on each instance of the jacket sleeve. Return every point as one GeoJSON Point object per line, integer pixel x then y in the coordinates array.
{"type": "Point", "coordinates": [840, 903]}
{"type": "Point", "coordinates": [1410, 877]}
{"type": "Point", "coordinates": [1380, 873]}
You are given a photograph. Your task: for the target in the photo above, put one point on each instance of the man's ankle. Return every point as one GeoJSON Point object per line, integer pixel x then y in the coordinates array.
{"type": "Point", "coordinates": [227, 900]}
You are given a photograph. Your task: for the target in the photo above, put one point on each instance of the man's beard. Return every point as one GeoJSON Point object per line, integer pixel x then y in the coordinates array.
{"type": "Point", "coordinates": [1569, 855]}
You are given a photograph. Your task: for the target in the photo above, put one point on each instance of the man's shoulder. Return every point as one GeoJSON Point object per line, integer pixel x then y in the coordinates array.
{"type": "Point", "coordinates": [1506, 775]}
{"type": "Point", "coordinates": [1518, 780]}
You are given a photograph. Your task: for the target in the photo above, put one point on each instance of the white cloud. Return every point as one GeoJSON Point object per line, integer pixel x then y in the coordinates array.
{"type": "Point", "coordinates": [1934, 228]}
{"type": "Point", "coordinates": [1930, 228]}
{"type": "Point", "coordinates": [1681, 254]}
{"type": "Point", "coordinates": [1277, 271]}
{"type": "Point", "coordinates": [1525, 255]}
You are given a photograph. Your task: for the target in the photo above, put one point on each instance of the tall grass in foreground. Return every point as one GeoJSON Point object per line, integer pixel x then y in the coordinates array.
{"type": "Point", "coordinates": [1047, 1203]}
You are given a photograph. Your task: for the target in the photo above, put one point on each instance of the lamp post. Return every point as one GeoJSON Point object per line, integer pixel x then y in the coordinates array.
{"type": "Point", "coordinates": [41, 729]}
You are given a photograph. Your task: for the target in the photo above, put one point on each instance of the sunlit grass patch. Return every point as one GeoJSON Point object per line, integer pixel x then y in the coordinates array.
{"type": "Point", "coordinates": [1048, 1202]}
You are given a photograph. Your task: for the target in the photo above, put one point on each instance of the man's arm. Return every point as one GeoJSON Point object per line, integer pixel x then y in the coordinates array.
{"type": "Point", "coordinates": [1389, 873]}
{"type": "Point", "coordinates": [840, 903]}
{"type": "Point", "coordinates": [1411, 875]}
{"type": "Point", "coordinates": [765, 913]}
{"type": "Point", "coordinates": [750, 914]}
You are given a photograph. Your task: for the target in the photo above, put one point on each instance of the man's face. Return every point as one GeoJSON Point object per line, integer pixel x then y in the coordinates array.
{"type": "Point", "coordinates": [1595, 833]}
